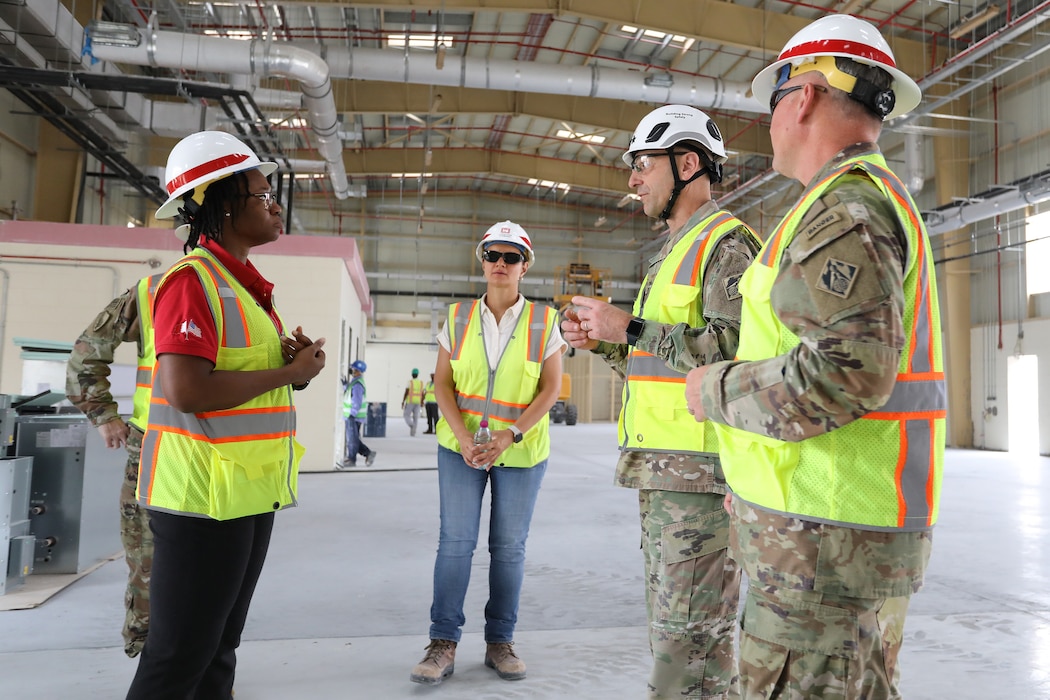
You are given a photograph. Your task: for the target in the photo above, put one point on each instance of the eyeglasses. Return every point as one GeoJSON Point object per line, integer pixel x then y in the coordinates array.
{"type": "Point", "coordinates": [780, 93]}
{"type": "Point", "coordinates": [493, 256]}
{"type": "Point", "coordinates": [643, 162]}
{"type": "Point", "coordinates": [267, 198]}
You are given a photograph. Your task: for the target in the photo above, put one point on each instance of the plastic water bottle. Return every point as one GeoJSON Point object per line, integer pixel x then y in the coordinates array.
{"type": "Point", "coordinates": [483, 434]}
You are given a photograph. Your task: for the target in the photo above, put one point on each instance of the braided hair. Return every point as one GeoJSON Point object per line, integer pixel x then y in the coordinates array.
{"type": "Point", "coordinates": [206, 219]}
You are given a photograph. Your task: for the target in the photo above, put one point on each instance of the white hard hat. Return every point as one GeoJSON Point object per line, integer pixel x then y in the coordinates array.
{"type": "Point", "coordinates": [506, 232]}
{"type": "Point", "coordinates": [846, 36]}
{"type": "Point", "coordinates": [202, 158]}
{"type": "Point", "coordinates": [666, 126]}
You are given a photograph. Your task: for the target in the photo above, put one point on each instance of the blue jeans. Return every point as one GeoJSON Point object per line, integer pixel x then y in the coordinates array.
{"type": "Point", "coordinates": [354, 446]}
{"type": "Point", "coordinates": [514, 492]}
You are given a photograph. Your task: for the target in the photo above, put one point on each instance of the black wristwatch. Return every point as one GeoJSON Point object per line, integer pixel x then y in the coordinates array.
{"type": "Point", "coordinates": [634, 329]}
{"type": "Point", "coordinates": [518, 435]}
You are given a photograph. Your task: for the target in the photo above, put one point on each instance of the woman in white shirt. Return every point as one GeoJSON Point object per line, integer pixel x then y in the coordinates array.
{"type": "Point", "coordinates": [499, 360]}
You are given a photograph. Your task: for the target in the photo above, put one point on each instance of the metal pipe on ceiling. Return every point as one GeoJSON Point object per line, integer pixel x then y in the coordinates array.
{"type": "Point", "coordinates": [1030, 191]}
{"type": "Point", "coordinates": [359, 63]}
{"type": "Point", "coordinates": [254, 57]}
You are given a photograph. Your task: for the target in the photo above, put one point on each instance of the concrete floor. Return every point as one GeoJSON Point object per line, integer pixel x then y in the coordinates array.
{"type": "Point", "coordinates": [342, 607]}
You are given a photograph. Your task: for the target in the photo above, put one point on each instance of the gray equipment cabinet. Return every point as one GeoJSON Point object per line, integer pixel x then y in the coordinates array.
{"type": "Point", "coordinates": [16, 544]}
{"type": "Point", "coordinates": [74, 511]}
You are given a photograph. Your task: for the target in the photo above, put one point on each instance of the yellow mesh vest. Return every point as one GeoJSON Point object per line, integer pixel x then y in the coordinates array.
{"type": "Point", "coordinates": [144, 292]}
{"type": "Point", "coordinates": [233, 462]}
{"type": "Point", "coordinates": [882, 471]}
{"type": "Point", "coordinates": [654, 416]}
{"type": "Point", "coordinates": [516, 383]}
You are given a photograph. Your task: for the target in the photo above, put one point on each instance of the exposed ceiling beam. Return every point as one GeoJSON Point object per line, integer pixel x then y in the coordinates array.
{"type": "Point", "coordinates": [742, 135]}
{"type": "Point", "coordinates": [472, 161]}
{"type": "Point", "coordinates": [712, 21]}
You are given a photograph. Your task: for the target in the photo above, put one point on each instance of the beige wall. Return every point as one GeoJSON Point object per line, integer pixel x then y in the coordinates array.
{"type": "Point", "coordinates": [55, 278]}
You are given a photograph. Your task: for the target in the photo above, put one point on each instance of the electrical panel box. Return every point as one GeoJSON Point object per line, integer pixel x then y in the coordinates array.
{"type": "Point", "coordinates": [74, 494]}
{"type": "Point", "coordinates": [15, 480]}
{"type": "Point", "coordinates": [7, 425]}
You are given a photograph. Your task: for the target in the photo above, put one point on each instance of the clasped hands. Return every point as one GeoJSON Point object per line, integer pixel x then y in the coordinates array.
{"type": "Point", "coordinates": [310, 363]}
{"type": "Point", "coordinates": [483, 456]}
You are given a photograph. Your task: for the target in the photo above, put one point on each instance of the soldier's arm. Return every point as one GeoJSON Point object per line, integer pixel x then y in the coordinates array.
{"type": "Point", "coordinates": [615, 355]}
{"type": "Point", "coordinates": [87, 371]}
{"type": "Point", "coordinates": [684, 346]}
{"type": "Point", "coordinates": [840, 290]}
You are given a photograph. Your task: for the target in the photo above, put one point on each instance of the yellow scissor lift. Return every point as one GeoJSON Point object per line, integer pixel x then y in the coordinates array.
{"type": "Point", "coordinates": [575, 279]}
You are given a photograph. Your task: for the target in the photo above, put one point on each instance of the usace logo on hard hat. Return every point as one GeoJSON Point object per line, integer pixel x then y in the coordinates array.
{"type": "Point", "coordinates": [505, 229]}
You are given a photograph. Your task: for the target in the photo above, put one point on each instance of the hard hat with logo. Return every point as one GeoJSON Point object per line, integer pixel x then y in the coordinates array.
{"type": "Point", "coordinates": [666, 126]}
{"type": "Point", "coordinates": [199, 160]}
{"type": "Point", "coordinates": [848, 37]}
{"type": "Point", "coordinates": [507, 232]}
{"type": "Point", "coordinates": [358, 366]}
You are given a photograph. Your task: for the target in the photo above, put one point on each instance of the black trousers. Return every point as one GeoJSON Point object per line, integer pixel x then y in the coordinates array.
{"type": "Point", "coordinates": [204, 575]}
{"type": "Point", "coordinates": [432, 416]}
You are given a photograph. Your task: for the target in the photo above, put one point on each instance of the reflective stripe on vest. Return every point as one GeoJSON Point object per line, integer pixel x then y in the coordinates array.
{"type": "Point", "coordinates": [882, 471]}
{"type": "Point", "coordinates": [234, 462]}
{"type": "Point", "coordinates": [654, 415]}
{"type": "Point", "coordinates": [428, 393]}
{"type": "Point", "coordinates": [145, 290]}
{"type": "Point", "coordinates": [516, 380]}
{"type": "Point", "coordinates": [415, 391]}
{"type": "Point", "coordinates": [348, 403]}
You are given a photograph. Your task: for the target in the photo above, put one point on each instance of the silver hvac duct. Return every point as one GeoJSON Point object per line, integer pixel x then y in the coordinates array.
{"type": "Point", "coordinates": [125, 43]}
{"type": "Point", "coordinates": [580, 81]}
{"type": "Point", "coordinates": [1030, 191]}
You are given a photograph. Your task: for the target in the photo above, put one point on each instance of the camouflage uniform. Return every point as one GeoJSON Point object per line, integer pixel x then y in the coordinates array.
{"type": "Point", "coordinates": [825, 609]}
{"type": "Point", "coordinates": [88, 388]}
{"type": "Point", "coordinates": [692, 587]}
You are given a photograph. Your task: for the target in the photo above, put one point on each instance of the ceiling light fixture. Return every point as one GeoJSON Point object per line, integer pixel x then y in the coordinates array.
{"type": "Point", "coordinates": [965, 26]}
{"type": "Point", "coordinates": [663, 80]}
{"type": "Point", "coordinates": [114, 34]}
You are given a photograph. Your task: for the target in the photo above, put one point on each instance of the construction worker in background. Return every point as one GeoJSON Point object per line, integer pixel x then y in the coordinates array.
{"type": "Point", "coordinates": [687, 314]}
{"type": "Point", "coordinates": [125, 319]}
{"type": "Point", "coordinates": [219, 450]}
{"type": "Point", "coordinates": [834, 407]}
{"type": "Point", "coordinates": [412, 401]}
{"type": "Point", "coordinates": [355, 413]}
{"type": "Point", "coordinates": [431, 405]}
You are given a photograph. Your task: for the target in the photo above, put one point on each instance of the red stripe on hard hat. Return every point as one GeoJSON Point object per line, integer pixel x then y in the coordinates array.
{"type": "Point", "coordinates": [833, 46]}
{"type": "Point", "coordinates": [205, 169]}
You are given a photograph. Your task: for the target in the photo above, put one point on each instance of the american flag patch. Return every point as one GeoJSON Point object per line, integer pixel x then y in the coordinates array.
{"type": "Point", "coordinates": [189, 328]}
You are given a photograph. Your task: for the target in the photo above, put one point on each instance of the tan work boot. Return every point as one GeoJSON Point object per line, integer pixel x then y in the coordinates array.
{"type": "Point", "coordinates": [506, 663]}
{"type": "Point", "coordinates": [437, 665]}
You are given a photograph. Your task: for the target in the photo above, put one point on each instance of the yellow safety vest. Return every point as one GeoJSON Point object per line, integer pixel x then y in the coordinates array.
{"type": "Point", "coordinates": [654, 416]}
{"type": "Point", "coordinates": [232, 462]}
{"type": "Point", "coordinates": [513, 386]}
{"type": "Point", "coordinates": [144, 293]}
{"type": "Point", "coordinates": [415, 391]}
{"type": "Point", "coordinates": [362, 410]}
{"type": "Point", "coordinates": [428, 393]}
{"type": "Point", "coordinates": [882, 471]}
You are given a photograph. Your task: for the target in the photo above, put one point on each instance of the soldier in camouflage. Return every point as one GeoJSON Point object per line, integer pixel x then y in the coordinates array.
{"type": "Point", "coordinates": [687, 314]}
{"type": "Point", "coordinates": [834, 409]}
{"type": "Point", "coordinates": [88, 388]}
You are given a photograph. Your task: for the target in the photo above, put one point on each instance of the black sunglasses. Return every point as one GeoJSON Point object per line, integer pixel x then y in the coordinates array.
{"type": "Point", "coordinates": [780, 93]}
{"type": "Point", "coordinates": [495, 255]}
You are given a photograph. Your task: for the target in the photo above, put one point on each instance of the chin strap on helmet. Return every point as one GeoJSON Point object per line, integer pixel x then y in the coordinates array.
{"type": "Point", "coordinates": [710, 168]}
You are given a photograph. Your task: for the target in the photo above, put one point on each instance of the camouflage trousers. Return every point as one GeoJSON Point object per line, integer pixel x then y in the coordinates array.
{"type": "Point", "coordinates": [825, 607]}
{"type": "Point", "coordinates": [137, 539]}
{"type": "Point", "coordinates": [692, 593]}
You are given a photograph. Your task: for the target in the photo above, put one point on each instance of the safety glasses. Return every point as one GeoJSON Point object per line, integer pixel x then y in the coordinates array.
{"type": "Point", "coordinates": [780, 93]}
{"type": "Point", "coordinates": [493, 256]}
{"type": "Point", "coordinates": [267, 198]}
{"type": "Point", "coordinates": [644, 161]}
